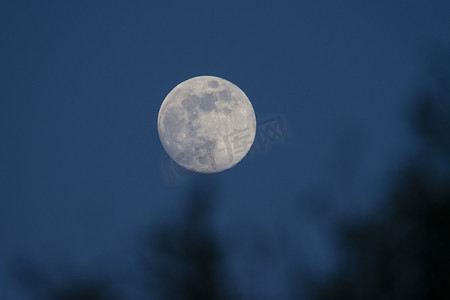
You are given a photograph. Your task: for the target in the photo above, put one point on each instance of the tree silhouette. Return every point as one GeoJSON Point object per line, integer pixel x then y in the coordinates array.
{"type": "Point", "coordinates": [183, 260]}
{"type": "Point", "coordinates": [404, 252]}
{"type": "Point", "coordinates": [41, 285]}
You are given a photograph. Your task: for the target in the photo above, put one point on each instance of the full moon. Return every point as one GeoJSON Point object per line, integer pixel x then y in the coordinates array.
{"type": "Point", "coordinates": [206, 124]}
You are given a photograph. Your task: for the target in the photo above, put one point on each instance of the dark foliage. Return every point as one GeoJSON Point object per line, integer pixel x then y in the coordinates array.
{"type": "Point", "coordinates": [404, 252]}
{"type": "Point", "coordinates": [182, 260]}
{"type": "Point", "coordinates": [40, 285]}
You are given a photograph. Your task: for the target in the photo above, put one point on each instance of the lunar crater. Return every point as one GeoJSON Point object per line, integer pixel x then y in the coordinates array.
{"type": "Point", "coordinates": [213, 84]}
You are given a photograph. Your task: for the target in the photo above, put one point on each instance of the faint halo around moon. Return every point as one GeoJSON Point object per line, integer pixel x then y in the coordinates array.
{"type": "Point", "coordinates": [206, 124]}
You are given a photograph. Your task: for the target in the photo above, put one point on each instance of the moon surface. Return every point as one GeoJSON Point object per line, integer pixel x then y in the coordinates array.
{"type": "Point", "coordinates": [206, 124]}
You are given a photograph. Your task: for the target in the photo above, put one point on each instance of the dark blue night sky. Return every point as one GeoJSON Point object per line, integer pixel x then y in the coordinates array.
{"type": "Point", "coordinates": [82, 172]}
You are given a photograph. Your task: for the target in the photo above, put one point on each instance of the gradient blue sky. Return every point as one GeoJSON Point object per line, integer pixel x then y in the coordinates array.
{"type": "Point", "coordinates": [81, 84]}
